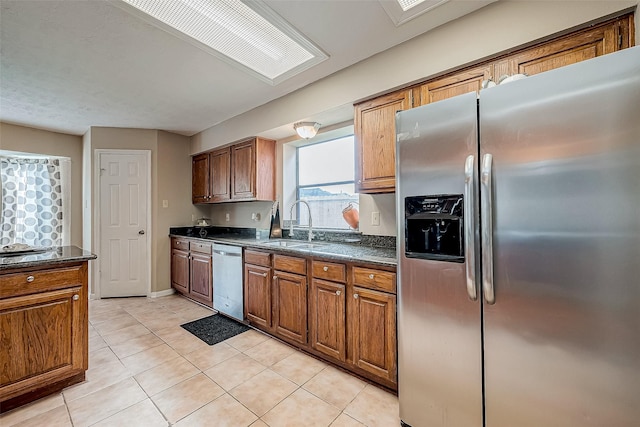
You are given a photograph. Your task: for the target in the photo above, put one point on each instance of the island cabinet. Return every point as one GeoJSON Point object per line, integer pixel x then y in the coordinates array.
{"type": "Point", "coordinates": [192, 269]}
{"type": "Point", "coordinates": [374, 119]}
{"type": "Point", "coordinates": [276, 294]}
{"type": "Point", "coordinates": [239, 172]}
{"type": "Point", "coordinates": [44, 331]}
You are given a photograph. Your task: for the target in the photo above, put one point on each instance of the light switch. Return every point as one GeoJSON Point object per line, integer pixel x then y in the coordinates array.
{"type": "Point", "coordinates": [375, 218]}
{"type": "Point", "coordinates": [226, 217]}
{"type": "Point", "coordinates": [165, 203]}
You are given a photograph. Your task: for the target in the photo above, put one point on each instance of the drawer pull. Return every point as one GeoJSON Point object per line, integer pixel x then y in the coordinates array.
{"type": "Point", "coordinates": [338, 293]}
{"type": "Point", "coordinates": [371, 276]}
{"type": "Point", "coordinates": [30, 279]}
{"type": "Point", "coordinates": [76, 297]}
{"type": "Point", "coordinates": [355, 296]}
{"type": "Point", "coordinates": [325, 268]}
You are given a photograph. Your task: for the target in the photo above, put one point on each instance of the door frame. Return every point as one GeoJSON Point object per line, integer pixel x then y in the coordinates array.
{"type": "Point", "coordinates": [96, 224]}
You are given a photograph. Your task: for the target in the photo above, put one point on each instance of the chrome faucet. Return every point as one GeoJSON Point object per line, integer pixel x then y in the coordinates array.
{"type": "Point", "coordinates": [291, 219]}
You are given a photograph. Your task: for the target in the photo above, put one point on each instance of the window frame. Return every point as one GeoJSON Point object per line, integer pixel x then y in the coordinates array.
{"type": "Point", "coordinates": [317, 184]}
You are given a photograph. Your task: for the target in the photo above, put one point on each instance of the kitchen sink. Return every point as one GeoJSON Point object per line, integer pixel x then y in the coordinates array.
{"type": "Point", "coordinates": [293, 244]}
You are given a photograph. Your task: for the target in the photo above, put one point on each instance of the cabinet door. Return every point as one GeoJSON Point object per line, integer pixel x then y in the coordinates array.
{"type": "Point", "coordinates": [221, 175]}
{"type": "Point", "coordinates": [180, 271]}
{"type": "Point", "coordinates": [375, 137]}
{"type": "Point", "coordinates": [290, 306]}
{"type": "Point", "coordinates": [453, 85]}
{"type": "Point", "coordinates": [43, 339]}
{"type": "Point", "coordinates": [201, 285]}
{"type": "Point", "coordinates": [200, 184]}
{"type": "Point", "coordinates": [327, 318]}
{"type": "Point", "coordinates": [373, 331]}
{"type": "Point", "coordinates": [243, 170]}
{"type": "Point", "coordinates": [257, 295]}
{"type": "Point", "coordinates": [597, 41]}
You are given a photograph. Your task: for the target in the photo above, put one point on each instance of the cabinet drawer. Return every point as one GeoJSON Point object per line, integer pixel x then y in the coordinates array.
{"type": "Point", "coordinates": [203, 248]}
{"type": "Point", "coordinates": [257, 258]}
{"type": "Point", "coordinates": [39, 280]}
{"type": "Point", "coordinates": [329, 271]}
{"type": "Point", "coordinates": [374, 279]}
{"type": "Point", "coordinates": [290, 264]}
{"type": "Point", "coordinates": [180, 244]}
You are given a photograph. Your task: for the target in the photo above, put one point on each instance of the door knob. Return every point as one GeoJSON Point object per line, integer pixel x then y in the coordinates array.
{"type": "Point", "coordinates": [141, 232]}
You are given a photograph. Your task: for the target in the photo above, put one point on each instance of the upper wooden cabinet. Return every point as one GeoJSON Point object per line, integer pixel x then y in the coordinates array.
{"type": "Point", "coordinates": [200, 179]}
{"type": "Point", "coordinates": [375, 137]}
{"type": "Point", "coordinates": [375, 119]}
{"type": "Point", "coordinates": [220, 175]}
{"type": "Point", "coordinates": [240, 172]}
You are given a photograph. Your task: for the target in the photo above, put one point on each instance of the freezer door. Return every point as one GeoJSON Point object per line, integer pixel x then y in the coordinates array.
{"type": "Point", "coordinates": [562, 340]}
{"type": "Point", "coordinates": [439, 345]}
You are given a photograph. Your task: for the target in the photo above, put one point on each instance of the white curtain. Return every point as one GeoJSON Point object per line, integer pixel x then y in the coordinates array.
{"type": "Point", "coordinates": [34, 202]}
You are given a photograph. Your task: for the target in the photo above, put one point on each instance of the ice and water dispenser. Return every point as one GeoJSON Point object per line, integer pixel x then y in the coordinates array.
{"type": "Point", "coordinates": [434, 227]}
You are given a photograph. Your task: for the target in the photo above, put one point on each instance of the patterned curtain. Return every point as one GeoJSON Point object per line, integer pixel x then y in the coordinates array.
{"type": "Point", "coordinates": [32, 202]}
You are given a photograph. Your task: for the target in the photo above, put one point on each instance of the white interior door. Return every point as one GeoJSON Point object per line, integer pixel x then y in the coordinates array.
{"type": "Point", "coordinates": [124, 207]}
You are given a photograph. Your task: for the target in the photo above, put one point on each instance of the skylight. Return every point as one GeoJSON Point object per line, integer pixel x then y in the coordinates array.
{"type": "Point", "coordinates": [408, 4]}
{"type": "Point", "coordinates": [401, 11]}
{"type": "Point", "coordinates": [253, 37]}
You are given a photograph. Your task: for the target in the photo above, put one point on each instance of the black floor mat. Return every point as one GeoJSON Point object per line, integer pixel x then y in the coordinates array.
{"type": "Point", "coordinates": [214, 329]}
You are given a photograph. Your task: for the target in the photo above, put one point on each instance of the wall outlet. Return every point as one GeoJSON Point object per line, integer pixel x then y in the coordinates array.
{"type": "Point", "coordinates": [227, 217]}
{"type": "Point", "coordinates": [165, 203]}
{"type": "Point", "coordinates": [375, 218]}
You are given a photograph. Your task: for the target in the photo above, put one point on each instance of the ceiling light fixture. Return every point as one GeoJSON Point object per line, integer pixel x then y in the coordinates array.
{"type": "Point", "coordinates": [306, 130]}
{"type": "Point", "coordinates": [245, 33]}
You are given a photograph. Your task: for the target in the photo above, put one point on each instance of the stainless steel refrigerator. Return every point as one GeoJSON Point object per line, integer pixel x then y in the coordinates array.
{"type": "Point", "coordinates": [518, 217]}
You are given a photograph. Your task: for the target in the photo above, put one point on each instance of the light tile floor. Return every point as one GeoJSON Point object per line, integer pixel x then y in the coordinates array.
{"type": "Point", "coordinates": [145, 370]}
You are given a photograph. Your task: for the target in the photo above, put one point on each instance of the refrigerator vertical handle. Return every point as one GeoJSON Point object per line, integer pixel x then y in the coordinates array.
{"type": "Point", "coordinates": [486, 213]}
{"type": "Point", "coordinates": [469, 233]}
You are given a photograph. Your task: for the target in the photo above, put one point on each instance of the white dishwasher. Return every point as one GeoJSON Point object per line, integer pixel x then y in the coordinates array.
{"type": "Point", "coordinates": [228, 296]}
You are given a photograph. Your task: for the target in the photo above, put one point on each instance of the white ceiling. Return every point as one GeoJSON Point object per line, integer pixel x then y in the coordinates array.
{"type": "Point", "coordinates": [67, 65]}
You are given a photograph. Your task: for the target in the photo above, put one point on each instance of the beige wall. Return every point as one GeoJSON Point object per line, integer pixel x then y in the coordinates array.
{"type": "Point", "coordinates": [490, 30]}
{"type": "Point", "coordinates": [29, 140]}
{"type": "Point", "coordinates": [170, 180]}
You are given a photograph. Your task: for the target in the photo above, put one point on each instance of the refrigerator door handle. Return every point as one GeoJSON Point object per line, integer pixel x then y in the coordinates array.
{"type": "Point", "coordinates": [486, 214]}
{"type": "Point", "coordinates": [469, 234]}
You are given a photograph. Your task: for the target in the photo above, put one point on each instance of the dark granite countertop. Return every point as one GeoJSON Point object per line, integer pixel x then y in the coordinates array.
{"type": "Point", "coordinates": [339, 251]}
{"type": "Point", "coordinates": [57, 255]}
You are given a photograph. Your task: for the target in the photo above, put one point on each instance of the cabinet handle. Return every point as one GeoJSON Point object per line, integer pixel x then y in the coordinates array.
{"type": "Point", "coordinates": [338, 293]}
{"type": "Point", "coordinates": [274, 277]}
{"type": "Point", "coordinates": [264, 274]}
{"type": "Point", "coordinates": [76, 297]}
{"type": "Point", "coordinates": [371, 276]}
{"type": "Point", "coordinates": [325, 268]}
{"type": "Point", "coordinates": [355, 296]}
{"type": "Point", "coordinates": [30, 279]}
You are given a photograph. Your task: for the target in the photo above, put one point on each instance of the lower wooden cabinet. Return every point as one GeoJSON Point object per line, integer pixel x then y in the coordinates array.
{"type": "Point", "coordinates": [348, 309]}
{"type": "Point", "coordinates": [257, 295]}
{"type": "Point", "coordinates": [276, 297]}
{"type": "Point", "coordinates": [192, 269]}
{"type": "Point", "coordinates": [290, 306]}
{"type": "Point", "coordinates": [44, 332]}
{"type": "Point", "coordinates": [327, 318]}
{"type": "Point", "coordinates": [373, 328]}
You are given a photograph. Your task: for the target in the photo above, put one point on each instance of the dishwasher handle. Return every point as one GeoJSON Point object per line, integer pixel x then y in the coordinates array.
{"type": "Point", "coordinates": [223, 253]}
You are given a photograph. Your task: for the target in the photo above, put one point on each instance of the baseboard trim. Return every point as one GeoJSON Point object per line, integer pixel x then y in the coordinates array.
{"type": "Point", "coordinates": [162, 293]}
{"type": "Point", "coordinates": [93, 296]}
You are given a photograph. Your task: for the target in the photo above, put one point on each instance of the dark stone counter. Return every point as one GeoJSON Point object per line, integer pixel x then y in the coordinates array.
{"type": "Point", "coordinates": [332, 250]}
{"type": "Point", "coordinates": [58, 255]}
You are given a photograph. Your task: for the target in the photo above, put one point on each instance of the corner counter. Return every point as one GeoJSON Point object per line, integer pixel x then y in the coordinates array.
{"type": "Point", "coordinates": [44, 323]}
